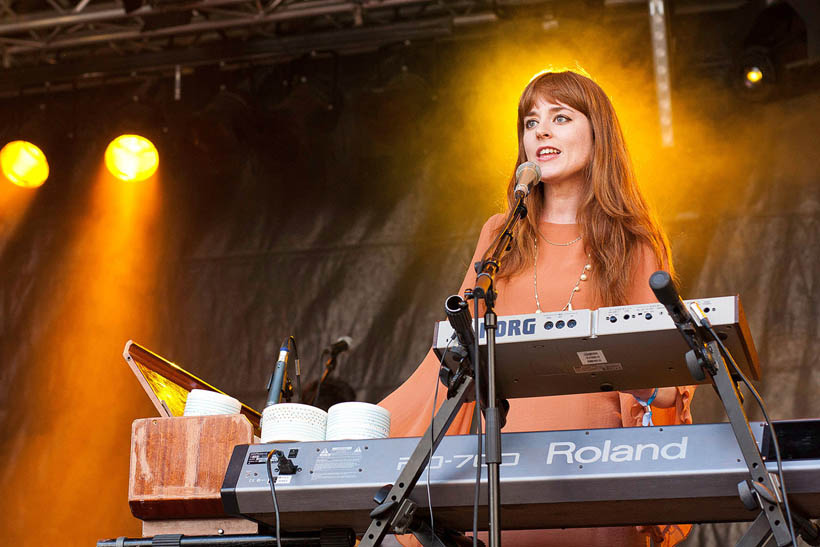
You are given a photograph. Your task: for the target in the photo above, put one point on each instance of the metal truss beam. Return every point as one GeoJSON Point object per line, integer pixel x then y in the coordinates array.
{"type": "Point", "coordinates": [76, 41]}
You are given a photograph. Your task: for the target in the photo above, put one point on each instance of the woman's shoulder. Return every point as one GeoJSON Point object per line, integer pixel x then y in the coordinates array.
{"type": "Point", "coordinates": [494, 223]}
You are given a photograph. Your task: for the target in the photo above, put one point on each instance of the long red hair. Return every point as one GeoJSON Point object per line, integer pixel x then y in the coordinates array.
{"type": "Point", "coordinates": [614, 217]}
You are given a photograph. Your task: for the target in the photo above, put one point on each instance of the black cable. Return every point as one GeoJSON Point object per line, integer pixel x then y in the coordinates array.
{"type": "Point", "coordinates": [479, 428]}
{"type": "Point", "coordinates": [708, 325]}
{"type": "Point", "coordinates": [273, 495]}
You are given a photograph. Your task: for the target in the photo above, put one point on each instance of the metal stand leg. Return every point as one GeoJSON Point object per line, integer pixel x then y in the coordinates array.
{"type": "Point", "coordinates": [771, 515]}
{"type": "Point", "coordinates": [493, 449]}
{"type": "Point", "coordinates": [383, 515]}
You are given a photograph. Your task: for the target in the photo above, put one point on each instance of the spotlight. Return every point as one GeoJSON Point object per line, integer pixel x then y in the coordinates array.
{"type": "Point", "coordinates": [753, 76]}
{"type": "Point", "coordinates": [781, 51]}
{"type": "Point", "coordinates": [757, 75]}
{"type": "Point", "coordinates": [131, 158]}
{"type": "Point", "coordinates": [24, 164]}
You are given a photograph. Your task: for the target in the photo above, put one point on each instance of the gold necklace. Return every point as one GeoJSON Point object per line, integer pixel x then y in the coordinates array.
{"type": "Point", "coordinates": [576, 240]}
{"type": "Point", "coordinates": [583, 277]}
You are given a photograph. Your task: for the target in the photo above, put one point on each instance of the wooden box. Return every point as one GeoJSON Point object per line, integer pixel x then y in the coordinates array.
{"type": "Point", "coordinates": [178, 464]}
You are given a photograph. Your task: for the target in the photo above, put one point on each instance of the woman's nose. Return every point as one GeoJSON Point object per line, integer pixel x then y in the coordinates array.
{"type": "Point", "coordinates": [542, 131]}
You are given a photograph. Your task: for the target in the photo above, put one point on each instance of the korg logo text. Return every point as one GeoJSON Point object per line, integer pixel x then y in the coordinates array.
{"type": "Point", "coordinates": [510, 327]}
{"type": "Point", "coordinates": [568, 452]}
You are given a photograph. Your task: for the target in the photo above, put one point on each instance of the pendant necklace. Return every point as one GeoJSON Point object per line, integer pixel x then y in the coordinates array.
{"type": "Point", "coordinates": [583, 277]}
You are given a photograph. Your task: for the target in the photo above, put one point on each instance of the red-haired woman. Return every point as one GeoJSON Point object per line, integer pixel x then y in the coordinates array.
{"type": "Point", "coordinates": [589, 240]}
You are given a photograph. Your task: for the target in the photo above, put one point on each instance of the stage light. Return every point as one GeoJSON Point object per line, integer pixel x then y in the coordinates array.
{"type": "Point", "coordinates": [753, 76]}
{"type": "Point", "coordinates": [131, 158]}
{"type": "Point", "coordinates": [24, 164]}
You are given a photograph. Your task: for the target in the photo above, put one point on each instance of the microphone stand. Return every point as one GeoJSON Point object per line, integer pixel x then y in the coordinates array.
{"type": "Point", "coordinates": [395, 511]}
{"type": "Point", "coordinates": [762, 491]}
{"type": "Point", "coordinates": [330, 366]}
{"type": "Point", "coordinates": [484, 289]}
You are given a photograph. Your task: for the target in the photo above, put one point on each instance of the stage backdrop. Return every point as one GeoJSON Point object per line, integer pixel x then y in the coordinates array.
{"type": "Point", "coordinates": [324, 199]}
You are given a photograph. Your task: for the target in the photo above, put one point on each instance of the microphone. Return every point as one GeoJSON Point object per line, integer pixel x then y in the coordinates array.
{"type": "Point", "coordinates": [344, 343]}
{"type": "Point", "coordinates": [661, 284]}
{"type": "Point", "coordinates": [527, 175]}
{"type": "Point", "coordinates": [279, 375]}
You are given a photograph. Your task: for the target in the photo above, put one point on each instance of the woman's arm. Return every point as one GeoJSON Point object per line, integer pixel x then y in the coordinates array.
{"type": "Point", "coordinates": [411, 404]}
{"type": "Point", "coordinates": [641, 293]}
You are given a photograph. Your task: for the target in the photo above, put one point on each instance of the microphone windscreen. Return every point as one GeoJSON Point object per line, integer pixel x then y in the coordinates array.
{"type": "Point", "coordinates": [347, 340]}
{"type": "Point", "coordinates": [527, 175]}
{"type": "Point", "coordinates": [664, 288]}
{"type": "Point", "coordinates": [533, 172]}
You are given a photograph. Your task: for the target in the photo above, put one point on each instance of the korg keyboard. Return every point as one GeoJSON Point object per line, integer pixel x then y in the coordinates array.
{"type": "Point", "coordinates": [615, 348]}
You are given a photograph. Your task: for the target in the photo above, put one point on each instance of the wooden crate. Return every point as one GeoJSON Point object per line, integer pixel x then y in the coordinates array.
{"type": "Point", "coordinates": [178, 464]}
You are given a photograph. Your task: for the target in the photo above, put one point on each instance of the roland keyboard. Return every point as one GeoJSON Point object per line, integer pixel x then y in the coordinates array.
{"type": "Point", "coordinates": [597, 477]}
{"type": "Point", "coordinates": [615, 348]}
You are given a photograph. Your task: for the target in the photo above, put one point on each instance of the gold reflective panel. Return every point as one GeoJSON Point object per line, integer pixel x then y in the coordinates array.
{"type": "Point", "coordinates": [172, 395]}
{"type": "Point", "coordinates": [168, 385]}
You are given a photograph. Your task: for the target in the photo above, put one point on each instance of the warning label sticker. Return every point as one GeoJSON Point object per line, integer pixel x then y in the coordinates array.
{"type": "Point", "coordinates": [591, 357]}
{"type": "Point", "coordinates": [338, 462]}
{"type": "Point", "coordinates": [584, 369]}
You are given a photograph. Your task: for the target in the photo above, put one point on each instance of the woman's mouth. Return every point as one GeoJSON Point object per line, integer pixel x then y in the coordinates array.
{"type": "Point", "coordinates": [547, 153]}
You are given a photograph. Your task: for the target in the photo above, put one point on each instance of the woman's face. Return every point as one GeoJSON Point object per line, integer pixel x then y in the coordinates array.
{"type": "Point", "coordinates": [558, 139]}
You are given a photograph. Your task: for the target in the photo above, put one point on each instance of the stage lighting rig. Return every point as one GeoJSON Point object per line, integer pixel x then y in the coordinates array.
{"type": "Point", "coordinates": [756, 74]}
{"type": "Point", "coordinates": [24, 164]}
{"type": "Point", "coordinates": [163, 13]}
{"type": "Point", "coordinates": [780, 49]}
{"type": "Point", "coordinates": [131, 158]}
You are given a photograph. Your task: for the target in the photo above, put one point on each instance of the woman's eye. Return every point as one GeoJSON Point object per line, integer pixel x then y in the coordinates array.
{"type": "Point", "coordinates": [561, 118]}
{"type": "Point", "coordinates": [529, 124]}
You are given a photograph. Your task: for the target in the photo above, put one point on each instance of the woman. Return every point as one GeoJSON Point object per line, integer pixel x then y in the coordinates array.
{"type": "Point", "coordinates": [589, 240]}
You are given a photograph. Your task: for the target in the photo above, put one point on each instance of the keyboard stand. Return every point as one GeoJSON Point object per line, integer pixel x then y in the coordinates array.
{"type": "Point", "coordinates": [396, 511]}
{"type": "Point", "coordinates": [762, 492]}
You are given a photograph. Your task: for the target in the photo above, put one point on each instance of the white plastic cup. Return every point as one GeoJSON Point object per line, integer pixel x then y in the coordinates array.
{"type": "Point", "coordinates": [202, 402]}
{"type": "Point", "coordinates": [293, 422]}
{"type": "Point", "coordinates": [356, 420]}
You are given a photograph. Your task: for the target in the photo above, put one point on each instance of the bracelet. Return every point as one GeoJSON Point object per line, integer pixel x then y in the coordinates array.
{"type": "Point", "coordinates": [647, 417]}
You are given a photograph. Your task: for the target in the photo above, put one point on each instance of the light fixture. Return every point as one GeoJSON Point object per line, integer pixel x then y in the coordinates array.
{"type": "Point", "coordinates": [753, 75]}
{"type": "Point", "coordinates": [24, 164]}
{"type": "Point", "coordinates": [131, 158]}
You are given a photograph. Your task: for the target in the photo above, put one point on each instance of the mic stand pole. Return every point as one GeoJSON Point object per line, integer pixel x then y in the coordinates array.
{"type": "Point", "coordinates": [330, 366]}
{"type": "Point", "coordinates": [395, 511]}
{"type": "Point", "coordinates": [494, 419]}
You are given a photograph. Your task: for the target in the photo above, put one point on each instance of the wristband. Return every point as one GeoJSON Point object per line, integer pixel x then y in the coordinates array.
{"type": "Point", "coordinates": [647, 417]}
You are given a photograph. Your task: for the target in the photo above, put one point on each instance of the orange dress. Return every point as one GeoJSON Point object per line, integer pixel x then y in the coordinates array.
{"type": "Point", "coordinates": [559, 268]}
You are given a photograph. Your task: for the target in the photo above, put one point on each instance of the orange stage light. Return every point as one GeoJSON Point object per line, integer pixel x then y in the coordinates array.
{"type": "Point", "coordinates": [131, 158]}
{"type": "Point", "coordinates": [24, 164]}
{"type": "Point", "coordinates": [754, 75]}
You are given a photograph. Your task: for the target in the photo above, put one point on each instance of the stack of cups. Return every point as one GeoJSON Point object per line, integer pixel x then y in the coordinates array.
{"type": "Point", "coordinates": [201, 402]}
{"type": "Point", "coordinates": [357, 421]}
{"type": "Point", "coordinates": [293, 422]}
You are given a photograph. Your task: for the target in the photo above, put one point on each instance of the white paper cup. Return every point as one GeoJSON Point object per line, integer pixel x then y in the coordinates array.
{"type": "Point", "coordinates": [201, 402]}
{"type": "Point", "coordinates": [293, 422]}
{"type": "Point", "coordinates": [355, 420]}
